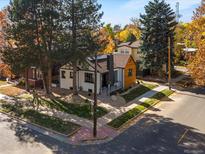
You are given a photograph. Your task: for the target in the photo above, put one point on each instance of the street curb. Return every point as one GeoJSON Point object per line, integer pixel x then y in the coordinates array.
{"type": "Point", "coordinates": [47, 129]}
{"type": "Point", "coordinates": [137, 116]}
{"type": "Point", "coordinates": [119, 130]}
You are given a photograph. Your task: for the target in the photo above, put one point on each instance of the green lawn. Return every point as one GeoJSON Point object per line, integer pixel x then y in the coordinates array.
{"type": "Point", "coordinates": [83, 110]}
{"type": "Point", "coordinates": [35, 117]}
{"type": "Point", "coordinates": [143, 88]}
{"type": "Point", "coordinates": [116, 123]}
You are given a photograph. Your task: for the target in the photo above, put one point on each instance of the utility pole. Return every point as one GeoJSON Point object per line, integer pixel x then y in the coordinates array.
{"type": "Point", "coordinates": [169, 61]}
{"type": "Point", "coordinates": [178, 15]}
{"type": "Point", "coordinates": [95, 100]}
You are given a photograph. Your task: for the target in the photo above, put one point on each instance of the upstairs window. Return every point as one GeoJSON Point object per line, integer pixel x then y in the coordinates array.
{"type": "Point", "coordinates": [130, 72]}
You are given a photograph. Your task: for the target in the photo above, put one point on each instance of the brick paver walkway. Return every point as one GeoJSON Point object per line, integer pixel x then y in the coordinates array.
{"type": "Point", "coordinates": [86, 134]}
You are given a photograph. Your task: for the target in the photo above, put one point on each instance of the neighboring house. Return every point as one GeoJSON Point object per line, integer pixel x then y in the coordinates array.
{"type": "Point", "coordinates": [189, 53]}
{"type": "Point", "coordinates": [114, 72]}
{"type": "Point", "coordinates": [35, 78]}
{"type": "Point", "coordinates": [131, 48]}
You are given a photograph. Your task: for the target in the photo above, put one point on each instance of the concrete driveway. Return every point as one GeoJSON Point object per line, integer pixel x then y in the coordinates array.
{"type": "Point", "coordinates": [175, 126]}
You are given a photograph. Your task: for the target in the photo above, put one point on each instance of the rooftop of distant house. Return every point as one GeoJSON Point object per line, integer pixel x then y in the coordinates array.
{"type": "Point", "coordinates": [135, 44]}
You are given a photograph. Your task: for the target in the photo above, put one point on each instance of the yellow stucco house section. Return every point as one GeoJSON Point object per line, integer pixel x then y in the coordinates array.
{"type": "Point", "coordinates": [130, 73]}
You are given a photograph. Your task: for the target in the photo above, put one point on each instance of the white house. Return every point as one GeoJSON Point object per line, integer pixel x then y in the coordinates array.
{"type": "Point", "coordinates": [113, 72]}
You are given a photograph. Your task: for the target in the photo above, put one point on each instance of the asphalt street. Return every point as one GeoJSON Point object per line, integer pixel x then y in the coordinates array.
{"type": "Point", "coordinates": [175, 126]}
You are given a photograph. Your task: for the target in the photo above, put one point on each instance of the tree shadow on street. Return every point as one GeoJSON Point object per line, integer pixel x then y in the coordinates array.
{"type": "Point", "coordinates": [152, 134]}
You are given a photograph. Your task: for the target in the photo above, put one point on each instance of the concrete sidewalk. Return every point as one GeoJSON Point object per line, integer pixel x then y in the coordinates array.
{"type": "Point", "coordinates": [114, 112]}
{"type": "Point", "coordinates": [118, 112]}
{"type": "Point", "coordinates": [85, 133]}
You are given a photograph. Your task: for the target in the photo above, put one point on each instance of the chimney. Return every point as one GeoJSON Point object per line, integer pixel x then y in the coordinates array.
{"type": "Point", "coordinates": [110, 68]}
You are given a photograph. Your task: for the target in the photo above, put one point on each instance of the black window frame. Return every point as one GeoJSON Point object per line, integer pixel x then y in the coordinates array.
{"type": "Point", "coordinates": [71, 75]}
{"type": "Point", "coordinates": [63, 76]}
{"type": "Point", "coordinates": [88, 77]}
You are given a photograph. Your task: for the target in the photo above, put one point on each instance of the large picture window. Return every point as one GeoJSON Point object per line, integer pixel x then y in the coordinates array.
{"type": "Point", "coordinates": [89, 78]}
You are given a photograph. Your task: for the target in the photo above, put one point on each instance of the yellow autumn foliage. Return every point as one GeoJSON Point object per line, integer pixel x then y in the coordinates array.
{"type": "Point", "coordinates": [197, 31]}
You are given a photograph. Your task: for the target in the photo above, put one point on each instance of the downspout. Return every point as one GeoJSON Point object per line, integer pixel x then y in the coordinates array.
{"type": "Point", "coordinates": [123, 83]}
{"type": "Point", "coordinates": [100, 90]}
{"type": "Point", "coordinates": [78, 80]}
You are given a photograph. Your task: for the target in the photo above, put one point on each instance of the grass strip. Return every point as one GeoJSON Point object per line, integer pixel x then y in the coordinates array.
{"type": "Point", "coordinates": [80, 110]}
{"type": "Point", "coordinates": [46, 121]}
{"type": "Point", "coordinates": [119, 121]}
{"type": "Point", "coordinates": [143, 88]}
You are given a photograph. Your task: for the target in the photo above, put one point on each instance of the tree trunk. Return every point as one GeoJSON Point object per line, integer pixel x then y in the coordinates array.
{"type": "Point", "coordinates": [75, 89]}
{"type": "Point", "coordinates": [45, 82]}
{"type": "Point", "coordinates": [49, 79]}
{"type": "Point", "coordinates": [74, 63]}
{"type": "Point", "coordinates": [26, 80]}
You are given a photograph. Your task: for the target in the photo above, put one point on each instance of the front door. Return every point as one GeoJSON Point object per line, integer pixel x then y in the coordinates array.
{"type": "Point", "coordinates": [105, 80]}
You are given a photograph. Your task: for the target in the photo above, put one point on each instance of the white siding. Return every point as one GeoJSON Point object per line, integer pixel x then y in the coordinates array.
{"type": "Point", "coordinates": [67, 83]}
{"type": "Point", "coordinates": [86, 86]}
{"type": "Point", "coordinates": [120, 77]}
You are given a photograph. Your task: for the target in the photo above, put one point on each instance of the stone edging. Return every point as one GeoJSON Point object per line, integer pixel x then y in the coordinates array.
{"type": "Point", "coordinates": [142, 112]}
{"type": "Point", "coordinates": [42, 127]}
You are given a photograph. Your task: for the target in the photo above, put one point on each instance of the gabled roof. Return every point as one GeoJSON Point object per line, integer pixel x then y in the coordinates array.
{"type": "Point", "coordinates": [120, 61]}
{"type": "Point", "coordinates": [135, 44]}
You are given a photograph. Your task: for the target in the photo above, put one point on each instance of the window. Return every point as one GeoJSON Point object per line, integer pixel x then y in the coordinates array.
{"type": "Point", "coordinates": [71, 75]}
{"type": "Point", "coordinates": [89, 78]}
{"type": "Point", "coordinates": [130, 72]}
{"type": "Point", "coordinates": [63, 75]}
{"type": "Point", "coordinates": [33, 73]}
{"type": "Point", "coordinates": [116, 76]}
{"type": "Point", "coordinates": [125, 52]}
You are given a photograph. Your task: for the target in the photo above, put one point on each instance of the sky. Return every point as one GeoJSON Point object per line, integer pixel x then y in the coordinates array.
{"type": "Point", "coordinates": [120, 11]}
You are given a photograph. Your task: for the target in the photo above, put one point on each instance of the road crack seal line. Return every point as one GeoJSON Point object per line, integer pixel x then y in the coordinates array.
{"type": "Point", "coordinates": [183, 135]}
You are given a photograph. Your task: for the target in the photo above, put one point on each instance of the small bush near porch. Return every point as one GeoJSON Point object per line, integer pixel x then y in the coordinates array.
{"type": "Point", "coordinates": [143, 88]}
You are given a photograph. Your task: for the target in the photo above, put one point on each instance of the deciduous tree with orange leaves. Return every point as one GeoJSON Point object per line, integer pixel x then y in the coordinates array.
{"type": "Point", "coordinates": [5, 70]}
{"type": "Point", "coordinates": [197, 31]}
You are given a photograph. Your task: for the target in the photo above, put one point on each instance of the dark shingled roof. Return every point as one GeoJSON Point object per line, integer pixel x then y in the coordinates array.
{"type": "Point", "coordinates": [135, 44]}
{"type": "Point", "coordinates": [120, 61]}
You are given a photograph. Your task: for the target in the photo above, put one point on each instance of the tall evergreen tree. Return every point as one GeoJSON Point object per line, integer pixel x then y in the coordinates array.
{"type": "Point", "coordinates": [35, 29]}
{"type": "Point", "coordinates": [81, 21]}
{"type": "Point", "coordinates": [18, 50]}
{"type": "Point", "coordinates": [158, 23]}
